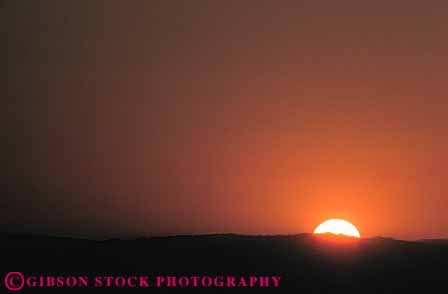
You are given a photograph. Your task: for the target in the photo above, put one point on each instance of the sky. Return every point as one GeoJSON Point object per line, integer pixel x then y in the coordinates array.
{"type": "Point", "coordinates": [140, 118]}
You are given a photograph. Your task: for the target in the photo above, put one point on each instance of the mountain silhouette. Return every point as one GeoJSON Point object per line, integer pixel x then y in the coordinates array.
{"type": "Point", "coordinates": [306, 263]}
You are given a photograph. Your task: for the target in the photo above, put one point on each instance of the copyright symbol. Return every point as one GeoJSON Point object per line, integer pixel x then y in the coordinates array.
{"type": "Point", "coordinates": [14, 281]}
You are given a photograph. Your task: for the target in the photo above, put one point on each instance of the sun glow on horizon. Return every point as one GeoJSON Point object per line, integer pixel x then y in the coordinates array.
{"type": "Point", "coordinates": [337, 227]}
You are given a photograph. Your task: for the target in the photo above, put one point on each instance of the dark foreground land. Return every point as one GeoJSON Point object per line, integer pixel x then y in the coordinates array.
{"type": "Point", "coordinates": [305, 263]}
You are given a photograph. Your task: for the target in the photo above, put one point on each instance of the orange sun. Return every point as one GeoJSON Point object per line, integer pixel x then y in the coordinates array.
{"type": "Point", "coordinates": [337, 227]}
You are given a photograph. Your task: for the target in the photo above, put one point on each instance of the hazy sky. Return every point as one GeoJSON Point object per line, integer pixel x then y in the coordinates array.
{"type": "Point", "coordinates": [173, 117]}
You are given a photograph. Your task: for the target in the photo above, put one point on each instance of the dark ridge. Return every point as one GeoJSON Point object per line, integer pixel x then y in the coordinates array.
{"type": "Point", "coordinates": [308, 263]}
{"type": "Point", "coordinates": [434, 241]}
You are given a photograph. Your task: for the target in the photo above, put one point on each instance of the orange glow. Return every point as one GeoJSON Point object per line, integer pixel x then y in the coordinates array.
{"type": "Point", "coordinates": [337, 227]}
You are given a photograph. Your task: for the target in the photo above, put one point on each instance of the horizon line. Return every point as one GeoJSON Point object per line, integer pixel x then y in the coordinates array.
{"type": "Point", "coordinates": [137, 237]}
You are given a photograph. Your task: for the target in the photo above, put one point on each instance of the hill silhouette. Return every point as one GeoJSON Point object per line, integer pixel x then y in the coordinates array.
{"type": "Point", "coordinates": [306, 263]}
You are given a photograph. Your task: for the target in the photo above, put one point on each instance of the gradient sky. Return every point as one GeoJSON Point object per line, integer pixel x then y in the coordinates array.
{"type": "Point", "coordinates": [125, 118]}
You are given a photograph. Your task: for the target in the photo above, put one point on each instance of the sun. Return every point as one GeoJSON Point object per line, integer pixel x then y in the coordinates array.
{"type": "Point", "coordinates": [337, 227]}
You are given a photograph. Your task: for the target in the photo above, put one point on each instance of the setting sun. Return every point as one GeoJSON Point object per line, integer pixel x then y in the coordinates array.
{"type": "Point", "coordinates": [337, 227]}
